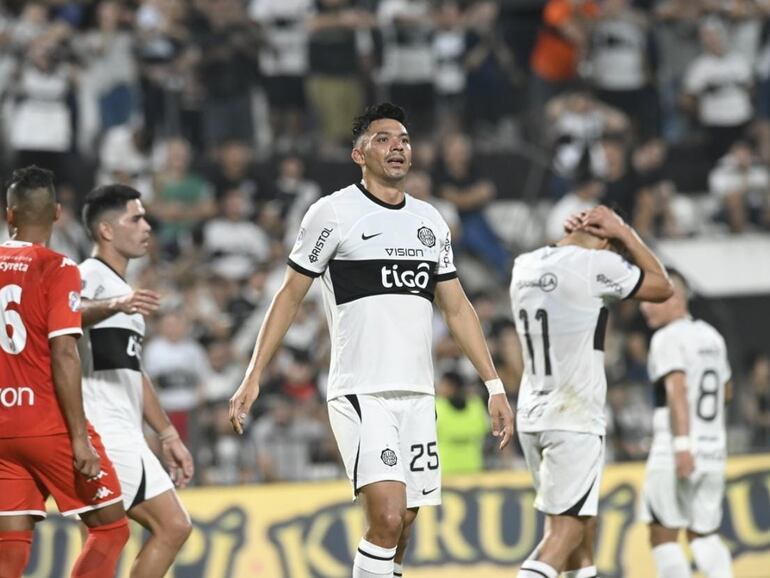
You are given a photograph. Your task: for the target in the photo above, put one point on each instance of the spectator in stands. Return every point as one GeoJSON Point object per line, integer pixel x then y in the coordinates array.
{"type": "Point", "coordinates": [450, 77]}
{"type": "Point", "coordinates": [234, 168]}
{"type": "Point", "coordinates": [631, 420]}
{"type": "Point", "coordinates": [124, 157]}
{"type": "Point", "coordinates": [741, 185]}
{"type": "Point", "coordinates": [461, 427]}
{"type": "Point", "coordinates": [228, 68]}
{"type": "Point", "coordinates": [491, 72]}
{"type": "Point", "coordinates": [408, 66]}
{"type": "Point", "coordinates": [653, 212]}
{"type": "Point", "coordinates": [283, 63]}
{"type": "Point", "coordinates": [340, 40]}
{"type": "Point", "coordinates": [419, 184]}
{"type": "Point", "coordinates": [756, 400]}
{"type": "Point", "coordinates": [620, 65]}
{"type": "Point", "coordinates": [620, 181]}
{"type": "Point", "coordinates": [225, 371]}
{"type": "Point", "coordinates": [110, 72]}
{"type": "Point", "coordinates": [178, 366]}
{"type": "Point", "coordinates": [459, 182]}
{"type": "Point", "coordinates": [221, 457]}
{"type": "Point", "coordinates": [232, 242]}
{"type": "Point", "coordinates": [561, 44]}
{"type": "Point", "coordinates": [717, 88]}
{"type": "Point", "coordinates": [182, 198]}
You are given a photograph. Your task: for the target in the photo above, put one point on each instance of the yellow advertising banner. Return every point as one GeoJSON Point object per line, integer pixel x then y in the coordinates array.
{"type": "Point", "coordinates": [486, 526]}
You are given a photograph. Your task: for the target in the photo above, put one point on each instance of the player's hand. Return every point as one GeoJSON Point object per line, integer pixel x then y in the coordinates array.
{"type": "Point", "coordinates": [240, 404]}
{"type": "Point", "coordinates": [685, 465]}
{"type": "Point", "coordinates": [142, 301]}
{"type": "Point", "coordinates": [86, 459]}
{"type": "Point", "coordinates": [178, 460]}
{"type": "Point", "coordinates": [502, 418]}
{"type": "Point", "coordinates": [574, 222]}
{"type": "Point", "coordinates": [604, 223]}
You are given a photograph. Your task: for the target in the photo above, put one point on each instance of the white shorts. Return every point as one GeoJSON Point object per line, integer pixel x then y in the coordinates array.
{"type": "Point", "coordinates": [694, 504]}
{"type": "Point", "coordinates": [566, 469]}
{"type": "Point", "coordinates": [389, 436]}
{"type": "Point", "coordinates": [141, 475]}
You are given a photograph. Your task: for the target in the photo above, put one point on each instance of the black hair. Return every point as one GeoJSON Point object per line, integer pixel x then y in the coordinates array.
{"type": "Point", "coordinates": [376, 112]}
{"type": "Point", "coordinates": [674, 272]}
{"type": "Point", "coordinates": [22, 194]}
{"type": "Point", "coordinates": [106, 198]}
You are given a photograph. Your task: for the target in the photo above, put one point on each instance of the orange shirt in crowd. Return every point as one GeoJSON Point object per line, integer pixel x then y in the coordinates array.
{"type": "Point", "coordinates": [555, 57]}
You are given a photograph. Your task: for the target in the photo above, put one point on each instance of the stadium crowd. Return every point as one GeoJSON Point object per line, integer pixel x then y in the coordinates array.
{"type": "Point", "coordinates": [230, 116]}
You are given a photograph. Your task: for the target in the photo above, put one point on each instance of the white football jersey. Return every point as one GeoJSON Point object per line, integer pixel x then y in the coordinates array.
{"type": "Point", "coordinates": [558, 295]}
{"type": "Point", "coordinates": [110, 353]}
{"type": "Point", "coordinates": [698, 350]}
{"type": "Point", "coordinates": [379, 265]}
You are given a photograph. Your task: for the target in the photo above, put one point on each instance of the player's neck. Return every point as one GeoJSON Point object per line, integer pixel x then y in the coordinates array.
{"type": "Point", "coordinates": [37, 235]}
{"type": "Point", "coordinates": [118, 262]}
{"type": "Point", "coordinates": [390, 193]}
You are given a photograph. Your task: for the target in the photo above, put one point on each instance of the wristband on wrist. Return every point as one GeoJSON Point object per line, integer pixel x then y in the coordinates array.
{"type": "Point", "coordinates": [168, 434]}
{"type": "Point", "coordinates": [495, 386]}
{"type": "Point", "coordinates": [681, 444]}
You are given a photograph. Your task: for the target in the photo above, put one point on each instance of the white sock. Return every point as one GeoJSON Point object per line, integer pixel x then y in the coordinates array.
{"type": "Point", "coordinates": [712, 557]}
{"type": "Point", "coordinates": [536, 569]}
{"type": "Point", "coordinates": [372, 561]}
{"type": "Point", "coordinates": [398, 570]}
{"type": "Point", "coordinates": [670, 561]}
{"type": "Point", "coordinates": [584, 572]}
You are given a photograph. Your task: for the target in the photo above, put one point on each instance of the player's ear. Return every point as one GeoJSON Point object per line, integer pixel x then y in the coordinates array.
{"type": "Point", "coordinates": [357, 154]}
{"type": "Point", "coordinates": [104, 231]}
{"type": "Point", "coordinates": [10, 217]}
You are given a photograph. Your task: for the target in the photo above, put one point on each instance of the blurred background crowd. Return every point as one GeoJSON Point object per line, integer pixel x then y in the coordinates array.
{"type": "Point", "coordinates": [233, 116]}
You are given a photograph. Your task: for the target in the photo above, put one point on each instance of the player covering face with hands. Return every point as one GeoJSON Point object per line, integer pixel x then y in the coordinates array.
{"type": "Point", "coordinates": [383, 257]}
{"type": "Point", "coordinates": [559, 295]}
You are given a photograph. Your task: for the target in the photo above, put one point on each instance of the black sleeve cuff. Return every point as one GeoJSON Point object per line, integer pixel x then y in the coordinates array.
{"type": "Point", "coordinates": [638, 284]}
{"type": "Point", "coordinates": [446, 276]}
{"type": "Point", "coordinates": [301, 269]}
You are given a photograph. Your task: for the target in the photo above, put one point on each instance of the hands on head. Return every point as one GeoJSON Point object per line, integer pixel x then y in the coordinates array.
{"type": "Point", "coordinates": [600, 221]}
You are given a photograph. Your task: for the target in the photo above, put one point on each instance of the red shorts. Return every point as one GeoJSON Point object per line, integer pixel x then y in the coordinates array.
{"type": "Point", "coordinates": [32, 468]}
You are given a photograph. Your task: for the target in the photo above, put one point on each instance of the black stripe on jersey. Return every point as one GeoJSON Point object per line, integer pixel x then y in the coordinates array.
{"type": "Point", "coordinates": [601, 329]}
{"type": "Point", "coordinates": [659, 389]}
{"type": "Point", "coordinates": [301, 269]}
{"type": "Point", "coordinates": [638, 284]}
{"type": "Point", "coordinates": [115, 348]}
{"type": "Point", "coordinates": [354, 280]}
{"type": "Point", "coordinates": [446, 276]}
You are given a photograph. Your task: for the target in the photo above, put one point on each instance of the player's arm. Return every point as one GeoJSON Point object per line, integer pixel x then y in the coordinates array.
{"type": "Point", "coordinates": [141, 301]}
{"type": "Point", "coordinates": [655, 284]}
{"type": "Point", "coordinates": [175, 454]}
{"type": "Point", "coordinates": [65, 370]}
{"type": "Point", "coordinates": [676, 399]}
{"type": "Point", "coordinates": [463, 323]}
{"type": "Point", "coordinates": [283, 309]}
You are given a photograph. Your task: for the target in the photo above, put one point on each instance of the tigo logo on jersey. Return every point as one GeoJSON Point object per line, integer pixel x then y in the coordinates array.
{"type": "Point", "coordinates": [392, 277]}
{"type": "Point", "coordinates": [426, 236]}
{"type": "Point", "coordinates": [319, 244]}
{"type": "Point", "coordinates": [16, 396]}
{"type": "Point", "coordinates": [74, 301]}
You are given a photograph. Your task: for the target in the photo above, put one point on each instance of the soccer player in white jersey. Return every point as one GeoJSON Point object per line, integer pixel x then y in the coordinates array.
{"type": "Point", "coordinates": [382, 256]}
{"type": "Point", "coordinates": [685, 480]}
{"type": "Point", "coordinates": [559, 295]}
{"type": "Point", "coordinates": [118, 395]}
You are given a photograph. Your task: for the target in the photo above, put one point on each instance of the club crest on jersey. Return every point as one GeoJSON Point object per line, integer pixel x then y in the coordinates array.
{"type": "Point", "coordinates": [426, 236]}
{"type": "Point", "coordinates": [74, 301]}
{"type": "Point", "coordinates": [388, 457]}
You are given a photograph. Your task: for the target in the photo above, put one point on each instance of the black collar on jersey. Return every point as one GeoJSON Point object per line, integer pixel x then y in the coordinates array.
{"type": "Point", "coordinates": [380, 202]}
{"type": "Point", "coordinates": [106, 264]}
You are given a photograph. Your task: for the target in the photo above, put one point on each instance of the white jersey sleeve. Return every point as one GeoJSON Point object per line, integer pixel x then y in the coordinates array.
{"type": "Point", "coordinates": [446, 267]}
{"type": "Point", "coordinates": [317, 240]}
{"type": "Point", "coordinates": [666, 355]}
{"type": "Point", "coordinates": [92, 283]}
{"type": "Point", "coordinates": [611, 277]}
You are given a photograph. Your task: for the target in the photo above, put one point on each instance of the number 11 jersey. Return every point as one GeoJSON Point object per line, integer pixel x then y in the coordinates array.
{"type": "Point", "coordinates": [558, 294]}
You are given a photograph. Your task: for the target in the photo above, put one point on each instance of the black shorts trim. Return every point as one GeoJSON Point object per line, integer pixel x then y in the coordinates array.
{"type": "Point", "coordinates": [141, 490]}
{"type": "Point", "coordinates": [637, 286]}
{"type": "Point", "coordinates": [575, 510]}
{"type": "Point", "coordinates": [301, 269]}
{"type": "Point", "coordinates": [446, 276]}
{"type": "Point", "coordinates": [353, 399]}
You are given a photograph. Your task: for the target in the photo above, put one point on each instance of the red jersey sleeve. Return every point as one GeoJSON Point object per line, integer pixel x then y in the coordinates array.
{"type": "Point", "coordinates": [63, 282]}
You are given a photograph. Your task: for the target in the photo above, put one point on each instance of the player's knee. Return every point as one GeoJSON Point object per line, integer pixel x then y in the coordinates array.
{"type": "Point", "coordinates": [176, 530]}
{"type": "Point", "coordinates": [568, 532]}
{"type": "Point", "coordinates": [388, 523]}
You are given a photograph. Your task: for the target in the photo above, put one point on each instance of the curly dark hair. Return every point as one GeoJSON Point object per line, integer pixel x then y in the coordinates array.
{"type": "Point", "coordinates": [376, 112]}
{"type": "Point", "coordinates": [31, 178]}
{"type": "Point", "coordinates": [32, 196]}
